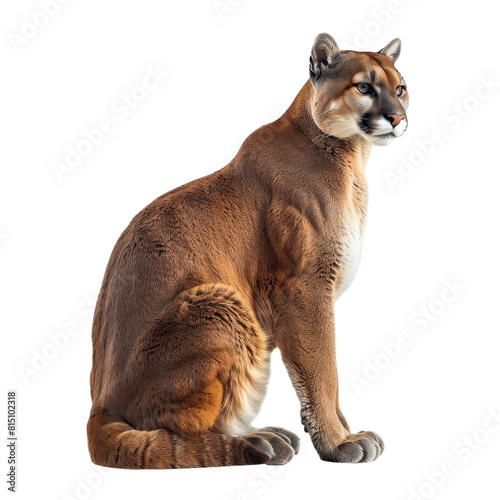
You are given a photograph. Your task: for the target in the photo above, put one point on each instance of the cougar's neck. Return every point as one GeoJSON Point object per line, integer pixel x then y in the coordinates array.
{"type": "Point", "coordinates": [300, 114]}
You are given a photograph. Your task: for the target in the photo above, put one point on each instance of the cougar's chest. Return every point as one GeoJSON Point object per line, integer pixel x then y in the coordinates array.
{"type": "Point", "coordinates": [350, 249]}
{"type": "Point", "coordinates": [350, 241]}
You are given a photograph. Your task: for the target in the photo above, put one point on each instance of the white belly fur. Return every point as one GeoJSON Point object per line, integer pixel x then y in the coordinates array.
{"type": "Point", "coordinates": [244, 395]}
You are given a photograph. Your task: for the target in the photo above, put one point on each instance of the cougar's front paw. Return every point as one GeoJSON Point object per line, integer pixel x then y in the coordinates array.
{"type": "Point", "coordinates": [362, 447]}
{"type": "Point", "coordinates": [281, 445]}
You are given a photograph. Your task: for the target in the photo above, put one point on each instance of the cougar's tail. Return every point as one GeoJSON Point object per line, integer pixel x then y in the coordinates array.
{"type": "Point", "coordinates": [114, 443]}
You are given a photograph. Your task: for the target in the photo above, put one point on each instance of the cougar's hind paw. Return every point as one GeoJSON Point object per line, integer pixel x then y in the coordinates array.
{"type": "Point", "coordinates": [291, 438]}
{"type": "Point", "coordinates": [281, 445]}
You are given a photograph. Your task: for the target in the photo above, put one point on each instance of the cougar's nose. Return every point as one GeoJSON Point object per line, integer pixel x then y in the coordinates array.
{"type": "Point", "coordinates": [395, 119]}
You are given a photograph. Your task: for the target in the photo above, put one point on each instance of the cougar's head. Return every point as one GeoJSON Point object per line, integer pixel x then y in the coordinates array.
{"type": "Point", "coordinates": [358, 94]}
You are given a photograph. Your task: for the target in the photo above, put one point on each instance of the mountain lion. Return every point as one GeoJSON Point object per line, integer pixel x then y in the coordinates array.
{"type": "Point", "coordinates": [209, 278]}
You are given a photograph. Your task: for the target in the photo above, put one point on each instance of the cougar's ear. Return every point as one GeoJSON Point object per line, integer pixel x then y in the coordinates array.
{"type": "Point", "coordinates": [324, 51]}
{"type": "Point", "coordinates": [392, 49]}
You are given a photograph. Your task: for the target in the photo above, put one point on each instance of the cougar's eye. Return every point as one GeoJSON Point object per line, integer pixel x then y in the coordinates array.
{"type": "Point", "coordinates": [400, 90]}
{"type": "Point", "coordinates": [364, 88]}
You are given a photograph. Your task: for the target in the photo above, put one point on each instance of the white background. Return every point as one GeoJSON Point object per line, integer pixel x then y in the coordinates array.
{"type": "Point", "coordinates": [433, 217]}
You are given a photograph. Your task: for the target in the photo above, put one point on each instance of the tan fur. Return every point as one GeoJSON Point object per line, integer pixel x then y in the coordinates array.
{"type": "Point", "coordinates": [209, 278]}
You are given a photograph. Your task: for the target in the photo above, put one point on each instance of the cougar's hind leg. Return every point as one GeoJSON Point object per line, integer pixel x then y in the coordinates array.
{"type": "Point", "coordinates": [201, 367]}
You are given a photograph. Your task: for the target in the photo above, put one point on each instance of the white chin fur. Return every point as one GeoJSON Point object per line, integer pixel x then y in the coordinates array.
{"type": "Point", "coordinates": [381, 140]}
